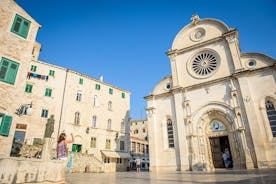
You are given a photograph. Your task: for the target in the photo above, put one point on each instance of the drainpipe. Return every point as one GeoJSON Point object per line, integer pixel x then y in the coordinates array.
{"type": "Point", "coordinates": [62, 103]}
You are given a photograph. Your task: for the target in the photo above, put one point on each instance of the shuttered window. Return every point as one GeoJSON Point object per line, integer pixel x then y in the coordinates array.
{"type": "Point", "coordinates": [123, 95]}
{"type": "Point", "coordinates": [20, 26]}
{"type": "Point", "coordinates": [33, 68]}
{"type": "Point", "coordinates": [52, 73]}
{"type": "Point", "coordinates": [44, 113]}
{"type": "Point", "coordinates": [81, 81]}
{"type": "Point", "coordinates": [98, 87]}
{"type": "Point", "coordinates": [48, 92]}
{"type": "Point", "coordinates": [8, 70]}
{"type": "Point", "coordinates": [5, 124]}
{"type": "Point", "coordinates": [28, 88]}
{"type": "Point", "coordinates": [110, 91]}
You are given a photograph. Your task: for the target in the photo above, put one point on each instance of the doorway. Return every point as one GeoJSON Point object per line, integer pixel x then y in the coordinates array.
{"type": "Point", "coordinates": [218, 145]}
{"type": "Point", "coordinates": [18, 141]}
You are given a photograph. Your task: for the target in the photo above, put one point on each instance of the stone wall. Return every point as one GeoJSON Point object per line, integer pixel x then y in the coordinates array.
{"type": "Point", "coordinates": [21, 170]}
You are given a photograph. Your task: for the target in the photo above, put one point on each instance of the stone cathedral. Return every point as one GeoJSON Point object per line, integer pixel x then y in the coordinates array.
{"type": "Point", "coordinates": [215, 99]}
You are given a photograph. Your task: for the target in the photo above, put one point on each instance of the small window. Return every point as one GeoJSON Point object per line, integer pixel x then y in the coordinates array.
{"type": "Point", "coordinates": [28, 88]}
{"type": "Point", "coordinates": [98, 87]}
{"type": "Point", "coordinates": [20, 26]}
{"type": "Point", "coordinates": [52, 73]}
{"type": "Point", "coordinates": [33, 68]}
{"type": "Point", "coordinates": [119, 160]}
{"type": "Point", "coordinates": [110, 91]}
{"type": "Point", "coordinates": [96, 101]}
{"type": "Point", "coordinates": [93, 142]}
{"type": "Point", "coordinates": [106, 160]}
{"type": "Point", "coordinates": [79, 95]}
{"type": "Point", "coordinates": [77, 118]}
{"type": "Point", "coordinates": [109, 105]}
{"type": "Point", "coordinates": [122, 145]}
{"type": "Point", "coordinates": [94, 121]}
{"type": "Point", "coordinates": [109, 124]}
{"type": "Point", "coordinates": [123, 95]}
{"type": "Point", "coordinates": [144, 130]}
{"type": "Point", "coordinates": [170, 133]}
{"type": "Point", "coordinates": [48, 92]}
{"type": "Point", "coordinates": [5, 124]}
{"type": "Point", "coordinates": [8, 70]}
{"type": "Point", "coordinates": [81, 81]}
{"type": "Point", "coordinates": [107, 144]}
{"type": "Point", "coordinates": [44, 113]}
{"type": "Point", "coordinates": [136, 131]}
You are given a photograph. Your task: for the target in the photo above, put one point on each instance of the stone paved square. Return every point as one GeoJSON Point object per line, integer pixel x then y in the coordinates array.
{"type": "Point", "coordinates": [266, 176]}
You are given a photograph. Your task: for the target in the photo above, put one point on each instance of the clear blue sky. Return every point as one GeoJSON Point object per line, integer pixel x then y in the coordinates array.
{"type": "Point", "coordinates": [126, 40]}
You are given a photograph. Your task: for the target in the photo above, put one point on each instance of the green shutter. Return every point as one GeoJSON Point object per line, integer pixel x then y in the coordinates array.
{"type": "Point", "coordinates": [28, 88]}
{"type": "Point", "coordinates": [123, 95]}
{"type": "Point", "coordinates": [20, 26]}
{"type": "Point", "coordinates": [81, 81]}
{"type": "Point", "coordinates": [5, 125]}
{"type": "Point", "coordinates": [33, 68]}
{"type": "Point", "coordinates": [48, 92]}
{"type": "Point", "coordinates": [12, 73]}
{"type": "Point", "coordinates": [25, 28]}
{"type": "Point", "coordinates": [52, 73]}
{"type": "Point", "coordinates": [8, 70]}
{"type": "Point", "coordinates": [110, 91]}
{"type": "Point", "coordinates": [74, 148]}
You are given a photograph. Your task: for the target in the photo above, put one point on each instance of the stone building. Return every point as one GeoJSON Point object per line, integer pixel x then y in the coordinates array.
{"type": "Point", "coordinates": [139, 142]}
{"type": "Point", "coordinates": [32, 91]}
{"type": "Point", "coordinates": [215, 99]}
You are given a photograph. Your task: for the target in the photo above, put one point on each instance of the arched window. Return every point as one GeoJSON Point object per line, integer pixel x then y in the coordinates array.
{"type": "Point", "coordinates": [79, 94]}
{"type": "Point", "coordinates": [109, 124]}
{"type": "Point", "coordinates": [170, 133]}
{"type": "Point", "coordinates": [96, 101]}
{"type": "Point", "coordinates": [94, 121]}
{"type": "Point", "coordinates": [77, 118]}
{"type": "Point", "coordinates": [110, 105]}
{"type": "Point", "coordinates": [271, 114]}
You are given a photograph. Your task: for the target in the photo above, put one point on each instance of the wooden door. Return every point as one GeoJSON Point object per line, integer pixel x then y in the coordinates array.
{"type": "Point", "coordinates": [216, 152]}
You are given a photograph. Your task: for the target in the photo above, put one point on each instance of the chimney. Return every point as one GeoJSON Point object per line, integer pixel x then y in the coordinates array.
{"type": "Point", "coordinates": [101, 78]}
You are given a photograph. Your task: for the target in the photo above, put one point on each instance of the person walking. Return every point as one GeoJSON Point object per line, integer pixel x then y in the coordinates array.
{"type": "Point", "coordinates": [226, 158]}
{"type": "Point", "coordinates": [138, 164]}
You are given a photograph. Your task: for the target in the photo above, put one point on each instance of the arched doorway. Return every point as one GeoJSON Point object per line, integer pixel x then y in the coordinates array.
{"type": "Point", "coordinates": [219, 145]}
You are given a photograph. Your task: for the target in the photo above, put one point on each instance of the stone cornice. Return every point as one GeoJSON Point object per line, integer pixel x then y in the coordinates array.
{"type": "Point", "coordinates": [208, 83]}
{"type": "Point", "coordinates": [176, 52]}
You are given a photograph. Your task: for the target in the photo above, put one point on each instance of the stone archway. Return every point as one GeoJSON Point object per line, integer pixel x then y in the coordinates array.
{"type": "Point", "coordinates": [202, 141]}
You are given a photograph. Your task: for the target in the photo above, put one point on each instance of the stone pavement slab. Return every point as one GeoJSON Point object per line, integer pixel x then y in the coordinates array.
{"type": "Point", "coordinates": [264, 176]}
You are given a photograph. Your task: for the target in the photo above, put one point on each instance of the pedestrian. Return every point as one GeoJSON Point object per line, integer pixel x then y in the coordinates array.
{"type": "Point", "coordinates": [226, 158]}
{"type": "Point", "coordinates": [138, 164]}
{"type": "Point", "coordinates": [62, 151]}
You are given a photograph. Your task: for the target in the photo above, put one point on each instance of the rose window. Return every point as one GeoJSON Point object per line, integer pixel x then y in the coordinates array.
{"type": "Point", "coordinates": [204, 63]}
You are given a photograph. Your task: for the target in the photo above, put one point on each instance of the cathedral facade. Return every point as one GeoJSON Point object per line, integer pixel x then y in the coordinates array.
{"type": "Point", "coordinates": [216, 99]}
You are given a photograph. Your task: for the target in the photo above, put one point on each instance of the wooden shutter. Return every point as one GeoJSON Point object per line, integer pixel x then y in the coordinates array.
{"type": "Point", "coordinates": [12, 72]}
{"type": "Point", "coordinates": [25, 28]}
{"type": "Point", "coordinates": [3, 68]}
{"type": "Point", "coordinates": [74, 148]}
{"type": "Point", "coordinates": [5, 125]}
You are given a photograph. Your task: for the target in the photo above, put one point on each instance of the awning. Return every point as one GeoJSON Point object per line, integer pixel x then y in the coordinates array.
{"type": "Point", "coordinates": [116, 154]}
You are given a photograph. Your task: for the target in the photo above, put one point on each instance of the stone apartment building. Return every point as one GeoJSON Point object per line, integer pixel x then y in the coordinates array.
{"type": "Point", "coordinates": [216, 100]}
{"type": "Point", "coordinates": [139, 142]}
{"type": "Point", "coordinates": [33, 91]}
